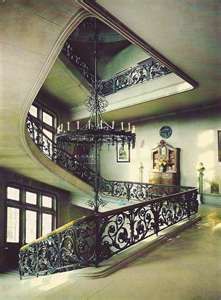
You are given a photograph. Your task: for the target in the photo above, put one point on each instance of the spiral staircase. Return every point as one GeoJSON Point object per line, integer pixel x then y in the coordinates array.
{"type": "Point", "coordinates": [30, 47]}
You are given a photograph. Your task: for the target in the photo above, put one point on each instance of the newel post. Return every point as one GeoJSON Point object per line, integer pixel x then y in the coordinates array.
{"type": "Point", "coordinates": [200, 169]}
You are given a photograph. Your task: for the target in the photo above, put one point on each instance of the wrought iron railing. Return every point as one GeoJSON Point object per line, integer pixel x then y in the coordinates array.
{"type": "Point", "coordinates": [67, 248]}
{"type": "Point", "coordinates": [145, 70]}
{"type": "Point", "coordinates": [117, 189]}
{"type": "Point", "coordinates": [61, 157]}
{"type": "Point", "coordinates": [93, 239]}
{"type": "Point", "coordinates": [138, 191]}
{"type": "Point", "coordinates": [75, 60]}
{"type": "Point", "coordinates": [124, 227]}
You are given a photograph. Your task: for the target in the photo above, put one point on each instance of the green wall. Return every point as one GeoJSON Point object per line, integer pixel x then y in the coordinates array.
{"type": "Point", "coordinates": [125, 59]}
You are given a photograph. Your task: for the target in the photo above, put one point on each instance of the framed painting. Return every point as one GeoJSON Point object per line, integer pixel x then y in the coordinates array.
{"type": "Point", "coordinates": [123, 153]}
{"type": "Point", "coordinates": [219, 145]}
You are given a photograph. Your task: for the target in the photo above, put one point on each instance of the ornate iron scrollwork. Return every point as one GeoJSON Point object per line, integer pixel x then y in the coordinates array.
{"type": "Point", "coordinates": [121, 228]}
{"type": "Point", "coordinates": [96, 238]}
{"type": "Point", "coordinates": [148, 69]}
{"type": "Point", "coordinates": [70, 249]}
{"type": "Point", "coordinates": [100, 236]}
{"type": "Point", "coordinates": [136, 190]}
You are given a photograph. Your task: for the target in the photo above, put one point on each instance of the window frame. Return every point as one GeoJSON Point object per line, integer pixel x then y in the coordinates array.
{"type": "Point", "coordinates": [42, 108]}
{"type": "Point", "coordinates": [23, 206]}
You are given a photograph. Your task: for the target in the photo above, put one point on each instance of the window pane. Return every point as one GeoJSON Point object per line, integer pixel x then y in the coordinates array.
{"type": "Point", "coordinates": [46, 224]}
{"type": "Point", "coordinates": [33, 111]}
{"type": "Point", "coordinates": [31, 197]}
{"type": "Point", "coordinates": [48, 133]}
{"type": "Point", "coordinates": [31, 226]}
{"type": "Point", "coordinates": [48, 119]}
{"type": "Point", "coordinates": [12, 225]}
{"type": "Point", "coordinates": [13, 193]}
{"type": "Point", "coordinates": [46, 201]}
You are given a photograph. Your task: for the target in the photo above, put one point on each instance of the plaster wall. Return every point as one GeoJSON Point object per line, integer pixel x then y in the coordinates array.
{"type": "Point", "coordinates": [194, 133]}
{"type": "Point", "coordinates": [32, 35]}
{"type": "Point", "coordinates": [123, 60]}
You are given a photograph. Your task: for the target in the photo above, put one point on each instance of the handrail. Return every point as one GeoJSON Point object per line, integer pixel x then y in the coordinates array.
{"type": "Point", "coordinates": [126, 189]}
{"type": "Point", "coordinates": [56, 231]}
{"type": "Point", "coordinates": [138, 191]}
{"type": "Point", "coordinates": [115, 188]}
{"type": "Point", "coordinates": [146, 70]}
{"type": "Point", "coordinates": [71, 247]}
{"type": "Point", "coordinates": [95, 238]}
{"type": "Point", "coordinates": [124, 227]}
{"type": "Point", "coordinates": [149, 202]}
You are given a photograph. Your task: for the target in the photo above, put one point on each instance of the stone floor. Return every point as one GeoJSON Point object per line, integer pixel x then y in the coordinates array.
{"type": "Point", "coordinates": [187, 267]}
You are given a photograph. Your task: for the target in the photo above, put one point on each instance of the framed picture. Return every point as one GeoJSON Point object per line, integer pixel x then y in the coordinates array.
{"type": "Point", "coordinates": [219, 145]}
{"type": "Point", "coordinates": [123, 153]}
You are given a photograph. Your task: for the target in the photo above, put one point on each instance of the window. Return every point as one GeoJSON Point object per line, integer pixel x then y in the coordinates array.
{"type": "Point", "coordinates": [47, 119]}
{"type": "Point", "coordinates": [12, 225]}
{"type": "Point", "coordinates": [12, 193]}
{"type": "Point", "coordinates": [47, 122]}
{"type": "Point", "coordinates": [31, 197]}
{"type": "Point", "coordinates": [33, 111]}
{"type": "Point", "coordinates": [46, 224]}
{"type": "Point", "coordinates": [30, 214]}
{"type": "Point", "coordinates": [47, 201]}
{"type": "Point", "coordinates": [31, 226]}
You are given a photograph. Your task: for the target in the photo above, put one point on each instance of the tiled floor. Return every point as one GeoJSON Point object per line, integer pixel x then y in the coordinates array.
{"type": "Point", "coordinates": [187, 267]}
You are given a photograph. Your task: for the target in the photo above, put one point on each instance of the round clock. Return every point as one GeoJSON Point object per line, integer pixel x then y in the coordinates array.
{"type": "Point", "coordinates": [165, 132]}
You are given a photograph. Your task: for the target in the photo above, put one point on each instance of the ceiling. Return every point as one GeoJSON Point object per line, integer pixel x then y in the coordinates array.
{"type": "Point", "coordinates": [185, 32]}
{"type": "Point", "coordinates": [188, 34]}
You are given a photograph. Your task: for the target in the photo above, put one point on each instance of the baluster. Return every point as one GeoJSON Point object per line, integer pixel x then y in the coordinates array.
{"type": "Point", "coordinates": [128, 187]}
{"type": "Point", "coordinates": [188, 206]}
{"type": "Point", "coordinates": [155, 210]}
{"type": "Point", "coordinates": [131, 218]}
{"type": "Point", "coordinates": [37, 260]}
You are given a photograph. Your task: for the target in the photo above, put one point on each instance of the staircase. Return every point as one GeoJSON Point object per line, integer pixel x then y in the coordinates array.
{"type": "Point", "coordinates": [90, 240]}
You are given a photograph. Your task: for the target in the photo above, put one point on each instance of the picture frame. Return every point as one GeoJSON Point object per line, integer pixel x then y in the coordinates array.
{"type": "Point", "coordinates": [219, 145]}
{"type": "Point", "coordinates": [123, 153]}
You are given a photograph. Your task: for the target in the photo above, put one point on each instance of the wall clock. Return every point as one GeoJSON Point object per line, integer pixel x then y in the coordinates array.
{"type": "Point", "coordinates": [165, 132]}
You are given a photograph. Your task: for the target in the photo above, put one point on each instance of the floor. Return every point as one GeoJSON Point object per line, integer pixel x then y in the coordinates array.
{"type": "Point", "coordinates": [187, 267]}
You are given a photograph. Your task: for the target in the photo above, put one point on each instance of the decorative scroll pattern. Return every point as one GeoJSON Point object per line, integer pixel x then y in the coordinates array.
{"type": "Point", "coordinates": [96, 238]}
{"type": "Point", "coordinates": [138, 191]}
{"type": "Point", "coordinates": [124, 227]}
{"type": "Point", "coordinates": [70, 249]}
{"type": "Point", "coordinates": [143, 71]}
{"type": "Point", "coordinates": [56, 153]}
{"type": "Point", "coordinates": [99, 105]}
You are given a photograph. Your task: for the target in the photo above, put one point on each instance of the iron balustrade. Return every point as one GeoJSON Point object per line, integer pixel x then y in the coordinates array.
{"type": "Point", "coordinates": [91, 240]}
{"type": "Point", "coordinates": [56, 153]}
{"type": "Point", "coordinates": [124, 227]}
{"type": "Point", "coordinates": [126, 189]}
{"type": "Point", "coordinates": [146, 70]}
{"type": "Point", "coordinates": [64, 249]}
{"type": "Point", "coordinates": [137, 190]}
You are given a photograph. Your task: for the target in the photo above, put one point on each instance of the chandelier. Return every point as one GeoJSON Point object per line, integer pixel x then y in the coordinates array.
{"type": "Point", "coordinates": [96, 131]}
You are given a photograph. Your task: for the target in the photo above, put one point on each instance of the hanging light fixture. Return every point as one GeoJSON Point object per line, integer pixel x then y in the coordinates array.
{"type": "Point", "coordinates": [96, 131]}
{"type": "Point", "coordinates": [96, 128]}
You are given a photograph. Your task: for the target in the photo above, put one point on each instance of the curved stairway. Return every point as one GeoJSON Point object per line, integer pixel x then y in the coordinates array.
{"type": "Point", "coordinates": [33, 37]}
